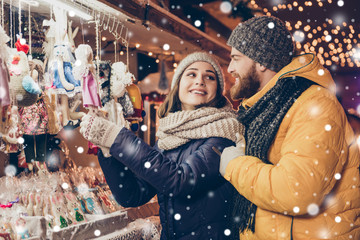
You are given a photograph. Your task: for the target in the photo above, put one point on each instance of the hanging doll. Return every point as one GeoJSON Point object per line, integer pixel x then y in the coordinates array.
{"type": "Point", "coordinates": [114, 111]}
{"type": "Point", "coordinates": [115, 99]}
{"type": "Point", "coordinates": [104, 81]}
{"type": "Point", "coordinates": [127, 93]}
{"type": "Point", "coordinates": [23, 88]}
{"type": "Point", "coordinates": [139, 113]}
{"type": "Point", "coordinates": [64, 83]}
{"type": "Point", "coordinates": [34, 121]}
{"type": "Point", "coordinates": [85, 71]}
{"type": "Point", "coordinates": [4, 83]}
{"type": "Point", "coordinates": [120, 78]}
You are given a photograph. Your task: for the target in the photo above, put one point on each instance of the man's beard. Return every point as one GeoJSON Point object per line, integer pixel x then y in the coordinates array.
{"type": "Point", "coordinates": [246, 86]}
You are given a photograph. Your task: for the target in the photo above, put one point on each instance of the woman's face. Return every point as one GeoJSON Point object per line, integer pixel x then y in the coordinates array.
{"type": "Point", "coordinates": [198, 85]}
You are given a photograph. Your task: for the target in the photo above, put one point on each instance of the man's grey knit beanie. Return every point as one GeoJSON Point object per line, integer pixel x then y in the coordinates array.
{"type": "Point", "coordinates": [265, 40]}
{"type": "Point", "coordinates": [198, 57]}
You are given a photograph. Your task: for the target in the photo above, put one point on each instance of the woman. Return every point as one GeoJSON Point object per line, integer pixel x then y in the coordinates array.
{"type": "Point", "coordinates": [182, 168]}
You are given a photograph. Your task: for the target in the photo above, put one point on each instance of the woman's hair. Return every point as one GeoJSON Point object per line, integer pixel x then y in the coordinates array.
{"type": "Point", "coordinates": [172, 101]}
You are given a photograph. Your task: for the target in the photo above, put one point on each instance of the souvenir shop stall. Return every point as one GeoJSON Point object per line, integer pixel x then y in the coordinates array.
{"type": "Point", "coordinates": [58, 61]}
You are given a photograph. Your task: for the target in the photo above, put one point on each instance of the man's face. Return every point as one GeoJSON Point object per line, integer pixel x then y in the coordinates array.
{"type": "Point", "coordinates": [243, 69]}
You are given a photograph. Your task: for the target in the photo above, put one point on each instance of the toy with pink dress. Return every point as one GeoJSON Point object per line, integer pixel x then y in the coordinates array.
{"type": "Point", "coordinates": [85, 71]}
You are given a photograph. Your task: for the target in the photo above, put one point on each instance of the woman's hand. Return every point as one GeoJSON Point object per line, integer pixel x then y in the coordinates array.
{"type": "Point", "coordinates": [99, 131]}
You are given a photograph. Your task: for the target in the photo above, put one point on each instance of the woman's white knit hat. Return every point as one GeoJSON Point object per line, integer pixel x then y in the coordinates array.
{"type": "Point", "coordinates": [198, 57]}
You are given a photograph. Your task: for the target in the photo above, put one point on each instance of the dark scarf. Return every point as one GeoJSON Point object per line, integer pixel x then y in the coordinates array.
{"type": "Point", "coordinates": [261, 123]}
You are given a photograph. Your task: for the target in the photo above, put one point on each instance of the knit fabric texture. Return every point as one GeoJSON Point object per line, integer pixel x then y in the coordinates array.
{"type": "Point", "coordinates": [198, 57]}
{"type": "Point", "coordinates": [181, 127]}
{"type": "Point", "coordinates": [265, 40]}
{"type": "Point", "coordinates": [261, 123]}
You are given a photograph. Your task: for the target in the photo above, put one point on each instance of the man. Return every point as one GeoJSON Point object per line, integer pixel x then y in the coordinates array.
{"type": "Point", "coordinates": [298, 176]}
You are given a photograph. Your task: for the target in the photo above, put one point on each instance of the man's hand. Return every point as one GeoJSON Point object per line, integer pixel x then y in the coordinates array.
{"type": "Point", "coordinates": [230, 153]}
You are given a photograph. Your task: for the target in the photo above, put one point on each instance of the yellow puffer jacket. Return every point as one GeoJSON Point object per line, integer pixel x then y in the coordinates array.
{"type": "Point", "coordinates": [312, 189]}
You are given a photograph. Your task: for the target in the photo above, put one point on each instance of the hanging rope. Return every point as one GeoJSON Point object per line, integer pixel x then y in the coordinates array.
{"type": "Point", "coordinates": [19, 15]}
{"type": "Point", "coordinates": [82, 31]}
{"type": "Point", "coordinates": [126, 41]}
{"type": "Point", "coordinates": [99, 31]}
{"type": "Point", "coordinates": [11, 25]}
{"type": "Point", "coordinates": [29, 30]}
{"type": "Point", "coordinates": [2, 13]}
{"type": "Point", "coordinates": [97, 46]}
{"type": "Point", "coordinates": [115, 43]}
{"type": "Point", "coordinates": [127, 56]}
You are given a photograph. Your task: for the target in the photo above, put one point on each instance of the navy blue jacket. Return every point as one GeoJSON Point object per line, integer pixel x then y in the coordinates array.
{"type": "Point", "coordinates": [194, 199]}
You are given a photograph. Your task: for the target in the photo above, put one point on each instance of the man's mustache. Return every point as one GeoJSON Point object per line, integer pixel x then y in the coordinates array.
{"type": "Point", "coordinates": [235, 75]}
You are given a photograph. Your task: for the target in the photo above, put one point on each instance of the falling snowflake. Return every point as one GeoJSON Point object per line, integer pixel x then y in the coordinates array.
{"type": "Point", "coordinates": [166, 47]}
{"type": "Point", "coordinates": [197, 23]}
{"type": "Point", "coordinates": [337, 176]}
{"type": "Point", "coordinates": [83, 188]}
{"type": "Point", "coordinates": [147, 165]}
{"type": "Point", "coordinates": [97, 233]}
{"type": "Point", "coordinates": [21, 140]}
{"type": "Point", "coordinates": [143, 128]}
{"type": "Point", "coordinates": [225, 7]}
{"type": "Point", "coordinates": [77, 63]}
{"type": "Point", "coordinates": [327, 127]}
{"type": "Point", "coordinates": [299, 36]}
{"type": "Point", "coordinates": [321, 72]}
{"type": "Point", "coordinates": [271, 25]}
{"type": "Point", "coordinates": [296, 209]}
{"type": "Point", "coordinates": [177, 216]}
{"type": "Point", "coordinates": [328, 38]}
{"type": "Point", "coordinates": [313, 209]}
{"type": "Point", "coordinates": [80, 149]}
{"type": "Point", "coordinates": [19, 97]}
{"type": "Point", "coordinates": [10, 170]}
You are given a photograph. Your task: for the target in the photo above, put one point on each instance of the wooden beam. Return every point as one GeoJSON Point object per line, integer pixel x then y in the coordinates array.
{"type": "Point", "coordinates": [167, 21]}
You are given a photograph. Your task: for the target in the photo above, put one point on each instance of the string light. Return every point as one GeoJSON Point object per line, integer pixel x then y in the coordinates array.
{"type": "Point", "coordinates": [310, 38]}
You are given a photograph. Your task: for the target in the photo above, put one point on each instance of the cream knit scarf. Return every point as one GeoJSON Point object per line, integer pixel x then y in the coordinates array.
{"type": "Point", "coordinates": [181, 127]}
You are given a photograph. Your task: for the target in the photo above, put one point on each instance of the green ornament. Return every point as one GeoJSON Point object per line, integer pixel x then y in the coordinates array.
{"type": "Point", "coordinates": [79, 217]}
{"type": "Point", "coordinates": [63, 222]}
